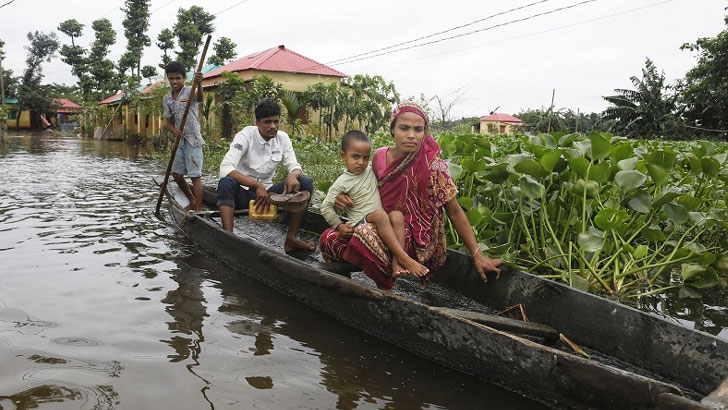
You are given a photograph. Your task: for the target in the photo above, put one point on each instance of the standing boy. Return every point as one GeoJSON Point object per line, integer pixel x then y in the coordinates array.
{"type": "Point", "coordinates": [360, 184]}
{"type": "Point", "coordinates": [247, 171]}
{"type": "Point", "coordinates": [188, 159]}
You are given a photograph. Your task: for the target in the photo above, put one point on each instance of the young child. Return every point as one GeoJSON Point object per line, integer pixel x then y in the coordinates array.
{"type": "Point", "coordinates": [360, 183]}
{"type": "Point", "coordinates": [188, 159]}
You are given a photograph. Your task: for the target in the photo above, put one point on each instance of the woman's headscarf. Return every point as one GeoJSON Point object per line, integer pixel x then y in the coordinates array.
{"type": "Point", "coordinates": [404, 183]}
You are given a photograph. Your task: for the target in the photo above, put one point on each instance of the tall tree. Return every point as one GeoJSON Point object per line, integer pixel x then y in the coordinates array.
{"type": "Point", "coordinates": [192, 24]}
{"type": "Point", "coordinates": [148, 72]}
{"type": "Point", "coordinates": [100, 67]}
{"type": "Point", "coordinates": [72, 28]}
{"type": "Point", "coordinates": [135, 25]}
{"type": "Point", "coordinates": [75, 55]}
{"type": "Point", "coordinates": [704, 92]}
{"type": "Point", "coordinates": [224, 51]}
{"type": "Point", "coordinates": [648, 111]}
{"type": "Point", "coordinates": [165, 41]}
{"type": "Point", "coordinates": [32, 94]}
{"type": "Point", "coordinates": [10, 82]}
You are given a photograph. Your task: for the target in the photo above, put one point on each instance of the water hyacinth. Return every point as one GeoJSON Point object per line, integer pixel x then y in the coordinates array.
{"type": "Point", "coordinates": [598, 212]}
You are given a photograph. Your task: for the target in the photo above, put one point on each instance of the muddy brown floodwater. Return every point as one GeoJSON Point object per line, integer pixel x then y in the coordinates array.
{"type": "Point", "coordinates": [102, 306]}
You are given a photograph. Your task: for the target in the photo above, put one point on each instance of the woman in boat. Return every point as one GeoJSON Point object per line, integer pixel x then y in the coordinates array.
{"type": "Point", "coordinates": [414, 180]}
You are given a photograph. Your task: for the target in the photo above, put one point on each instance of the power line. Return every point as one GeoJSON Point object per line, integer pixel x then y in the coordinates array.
{"type": "Point", "coordinates": [524, 35]}
{"type": "Point", "coordinates": [352, 59]}
{"type": "Point", "coordinates": [112, 10]}
{"type": "Point", "coordinates": [233, 6]}
{"type": "Point", "coordinates": [471, 32]}
{"type": "Point", "coordinates": [443, 31]}
{"type": "Point", "coordinates": [161, 7]}
{"type": "Point", "coordinates": [1, 6]}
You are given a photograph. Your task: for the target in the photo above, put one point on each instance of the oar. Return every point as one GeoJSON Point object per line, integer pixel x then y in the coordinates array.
{"type": "Point", "coordinates": [163, 187]}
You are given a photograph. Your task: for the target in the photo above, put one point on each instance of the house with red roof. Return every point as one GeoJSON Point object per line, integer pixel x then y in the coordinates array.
{"type": "Point", "coordinates": [295, 71]}
{"type": "Point", "coordinates": [499, 124]}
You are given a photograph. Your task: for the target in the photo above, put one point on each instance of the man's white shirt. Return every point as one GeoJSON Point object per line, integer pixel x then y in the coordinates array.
{"type": "Point", "coordinates": [253, 156]}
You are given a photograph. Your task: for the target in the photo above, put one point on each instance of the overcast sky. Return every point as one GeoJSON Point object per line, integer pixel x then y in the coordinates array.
{"type": "Point", "coordinates": [584, 51]}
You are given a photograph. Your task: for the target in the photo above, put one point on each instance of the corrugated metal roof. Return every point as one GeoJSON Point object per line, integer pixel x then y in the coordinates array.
{"type": "Point", "coordinates": [505, 118]}
{"type": "Point", "coordinates": [278, 59]}
{"type": "Point", "coordinates": [9, 100]}
{"type": "Point", "coordinates": [65, 103]}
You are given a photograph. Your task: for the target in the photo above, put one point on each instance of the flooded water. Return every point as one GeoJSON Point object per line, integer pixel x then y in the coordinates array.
{"type": "Point", "coordinates": [103, 306]}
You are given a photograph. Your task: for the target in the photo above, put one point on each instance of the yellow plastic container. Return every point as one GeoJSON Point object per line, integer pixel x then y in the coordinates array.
{"type": "Point", "coordinates": [262, 216]}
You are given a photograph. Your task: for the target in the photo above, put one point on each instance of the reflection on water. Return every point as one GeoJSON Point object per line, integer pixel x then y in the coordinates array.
{"type": "Point", "coordinates": [103, 306]}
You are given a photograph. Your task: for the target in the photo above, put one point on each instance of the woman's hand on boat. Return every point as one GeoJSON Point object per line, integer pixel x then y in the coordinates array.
{"type": "Point", "coordinates": [483, 265]}
{"type": "Point", "coordinates": [262, 200]}
{"type": "Point", "coordinates": [342, 202]}
{"type": "Point", "coordinates": [344, 230]}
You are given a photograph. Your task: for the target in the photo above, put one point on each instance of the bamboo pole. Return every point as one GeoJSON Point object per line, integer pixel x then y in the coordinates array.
{"type": "Point", "coordinates": [3, 122]}
{"type": "Point", "coordinates": [163, 187]}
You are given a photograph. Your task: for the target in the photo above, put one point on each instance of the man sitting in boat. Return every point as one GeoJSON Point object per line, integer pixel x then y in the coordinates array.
{"type": "Point", "coordinates": [247, 170]}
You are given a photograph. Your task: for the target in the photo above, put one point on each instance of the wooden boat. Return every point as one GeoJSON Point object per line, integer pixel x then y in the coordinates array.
{"type": "Point", "coordinates": [638, 360]}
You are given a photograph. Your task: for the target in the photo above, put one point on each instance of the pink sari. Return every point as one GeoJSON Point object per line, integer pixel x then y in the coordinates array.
{"type": "Point", "coordinates": [418, 185]}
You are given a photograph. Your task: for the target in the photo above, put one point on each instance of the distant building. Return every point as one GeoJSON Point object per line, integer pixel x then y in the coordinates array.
{"type": "Point", "coordinates": [64, 109]}
{"type": "Point", "coordinates": [498, 124]}
{"type": "Point", "coordinates": [295, 71]}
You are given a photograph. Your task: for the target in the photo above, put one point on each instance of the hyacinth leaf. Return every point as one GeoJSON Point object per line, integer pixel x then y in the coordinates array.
{"type": "Point", "coordinates": [609, 218]}
{"type": "Point", "coordinates": [531, 167]}
{"type": "Point", "coordinates": [708, 280]}
{"type": "Point", "coordinates": [591, 240]}
{"type": "Point", "coordinates": [659, 174]}
{"type": "Point", "coordinates": [474, 217]}
{"type": "Point", "coordinates": [530, 187]}
{"type": "Point", "coordinates": [653, 234]}
{"type": "Point", "coordinates": [641, 251]}
{"type": "Point", "coordinates": [465, 202]}
{"type": "Point", "coordinates": [676, 213]}
{"type": "Point", "coordinates": [628, 164]}
{"type": "Point", "coordinates": [662, 159]}
{"type": "Point", "coordinates": [688, 270]}
{"type": "Point", "coordinates": [599, 172]}
{"type": "Point", "coordinates": [689, 202]}
{"type": "Point", "coordinates": [456, 171]}
{"type": "Point", "coordinates": [710, 166]}
{"type": "Point", "coordinates": [629, 180]}
{"type": "Point", "coordinates": [694, 163]}
{"type": "Point", "coordinates": [667, 195]}
{"type": "Point", "coordinates": [622, 152]}
{"type": "Point", "coordinates": [498, 174]}
{"type": "Point", "coordinates": [600, 146]}
{"type": "Point", "coordinates": [641, 202]}
{"type": "Point", "coordinates": [549, 159]}
{"type": "Point", "coordinates": [580, 166]}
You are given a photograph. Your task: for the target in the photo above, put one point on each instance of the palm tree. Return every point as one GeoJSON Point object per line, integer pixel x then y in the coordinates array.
{"type": "Point", "coordinates": [648, 110]}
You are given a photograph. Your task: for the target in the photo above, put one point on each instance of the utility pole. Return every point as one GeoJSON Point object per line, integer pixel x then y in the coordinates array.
{"type": "Point", "coordinates": [551, 114]}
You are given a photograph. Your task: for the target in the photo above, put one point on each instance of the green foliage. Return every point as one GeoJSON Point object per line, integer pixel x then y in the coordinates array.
{"type": "Point", "coordinates": [224, 51]}
{"type": "Point", "coordinates": [71, 28]}
{"type": "Point", "coordinates": [704, 92]}
{"type": "Point", "coordinates": [192, 24]}
{"type": "Point", "coordinates": [165, 41]}
{"type": "Point", "coordinates": [293, 105]}
{"type": "Point", "coordinates": [31, 94]}
{"type": "Point", "coordinates": [136, 23]}
{"type": "Point", "coordinates": [562, 120]}
{"type": "Point", "coordinates": [648, 110]}
{"type": "Point", "coordinates": [149, 72]}
{"type": "Point", "coordinates": [595, 211]}
{"type": "Point", "coordinates": [102, 81]}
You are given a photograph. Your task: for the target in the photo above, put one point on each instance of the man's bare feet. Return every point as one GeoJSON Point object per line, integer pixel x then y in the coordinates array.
{"type": "Point", "coordinates": [293, 244]}
{"type": "Point", "coordinates": [190, 206]}
{"type": "Point", "coordinates": [414, 267]}
{"type": "Point", "coordinates": [397, 269]}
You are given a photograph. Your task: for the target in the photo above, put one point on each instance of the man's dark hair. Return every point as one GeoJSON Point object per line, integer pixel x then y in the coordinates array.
{"type": "Point", "coordinates": [267, 108]}
{"type": "Point", "coordinates": [175, 67]}
{"type": "Point", "coordinates": [353, 135]}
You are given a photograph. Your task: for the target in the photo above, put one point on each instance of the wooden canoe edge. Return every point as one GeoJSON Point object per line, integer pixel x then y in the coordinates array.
{"type": "Point", "coordinates": [718, 399]}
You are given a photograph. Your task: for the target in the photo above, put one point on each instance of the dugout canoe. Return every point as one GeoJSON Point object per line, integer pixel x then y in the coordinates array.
{"type": "Point", "coordinates": [638, 360]}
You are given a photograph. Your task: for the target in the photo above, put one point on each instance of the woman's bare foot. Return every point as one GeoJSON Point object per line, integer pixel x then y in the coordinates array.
{"type": "Point", "coordinates": [293, 244]}
{"type": "Point", "coordinates": [397, 269]}
{"type": "Point", "coordinates": [413, 267]}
